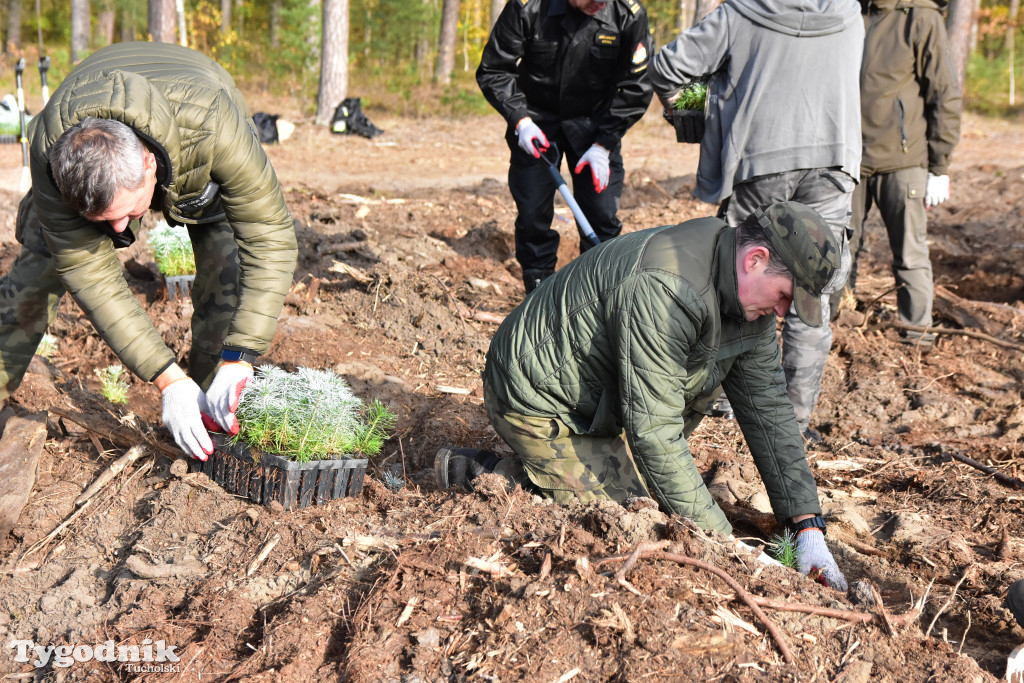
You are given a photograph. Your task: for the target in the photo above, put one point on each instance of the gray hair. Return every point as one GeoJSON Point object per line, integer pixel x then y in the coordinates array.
{"type": "Point", "coordinates": [95, 159]}
{"type": "Point", "coordinates": [751, 234]}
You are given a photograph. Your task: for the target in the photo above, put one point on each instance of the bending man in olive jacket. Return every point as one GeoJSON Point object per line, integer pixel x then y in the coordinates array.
{"type": "Point", "coordinates": [572, 73]}
{"type": "Point", "coordinates": [599, 377]}
{"type": "Point", "coordinates": [140, 126]}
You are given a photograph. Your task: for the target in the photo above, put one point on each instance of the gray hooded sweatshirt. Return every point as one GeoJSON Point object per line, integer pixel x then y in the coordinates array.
{"type": "Point", "coordinates": [784, 92]}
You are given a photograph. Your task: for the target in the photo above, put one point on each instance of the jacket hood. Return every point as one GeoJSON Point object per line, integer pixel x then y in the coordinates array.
{"type": "Point", "coordinates": [800, 17]}
{"type": "Point", "coordinates": [939, 5]}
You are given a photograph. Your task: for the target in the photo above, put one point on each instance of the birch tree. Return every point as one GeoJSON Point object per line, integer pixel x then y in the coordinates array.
{"type": "Point", "coordinates": [333, 60]}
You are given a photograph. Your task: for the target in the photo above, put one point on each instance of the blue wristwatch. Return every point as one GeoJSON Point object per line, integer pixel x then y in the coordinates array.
{"type": "Point", "coordinates": [235, 356]}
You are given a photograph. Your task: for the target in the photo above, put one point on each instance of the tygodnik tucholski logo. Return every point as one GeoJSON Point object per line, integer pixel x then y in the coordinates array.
{"type": "Point", "coordinates": [150, 657]}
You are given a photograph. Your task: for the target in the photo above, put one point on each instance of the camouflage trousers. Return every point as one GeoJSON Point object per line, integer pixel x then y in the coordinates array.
{"type": "Point", "coordinates": [31, 292]}
{"type": "Point", "coordinates": [804, 349]}
{"type": "Point", "coordinates": [567, 466]}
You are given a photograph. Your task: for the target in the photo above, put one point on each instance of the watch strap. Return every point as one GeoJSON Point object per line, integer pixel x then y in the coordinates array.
{"type": "Point", "coordinates": [234, 356]}
{"type": "Point", "coordinates": [815, 522]}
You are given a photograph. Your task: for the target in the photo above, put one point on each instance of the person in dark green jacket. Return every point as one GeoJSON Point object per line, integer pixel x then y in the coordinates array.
{"type": "Point", "coordinates": [141, 126]}
{"type": "Point", "coordinates": [599, 377]}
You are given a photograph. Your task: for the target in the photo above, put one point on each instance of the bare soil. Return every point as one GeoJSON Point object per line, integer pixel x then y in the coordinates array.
{"type": "Point", "coordinates": [387, 587]}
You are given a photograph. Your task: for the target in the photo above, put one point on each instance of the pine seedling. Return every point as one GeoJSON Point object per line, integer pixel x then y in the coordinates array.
{"type": "Point", "coordinates": [784, 548]}
{"type": "Point", "coordinates": [172, 250]}
{"type": "Point", "coordinates": [113, 383]}
{"type": "Point", "coordinates": [309, 415]}
{"type": "Point", "coordinates": [47, 346]}
{"type": "Point", "coordinates": [393, 482]}
{"type": "Point", "coordinates": [692, 96]}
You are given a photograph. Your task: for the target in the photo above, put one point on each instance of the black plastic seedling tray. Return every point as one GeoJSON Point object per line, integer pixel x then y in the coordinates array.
{"type": "Point", "coordinates": [263, 477]}
{"type": "Point", "coordinates": [179, 286]}
{"type": "Point", "coordinates": [689, 125]}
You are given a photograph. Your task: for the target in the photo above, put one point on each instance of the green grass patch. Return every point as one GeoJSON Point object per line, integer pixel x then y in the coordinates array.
{"type": "Point", "coordinates": [310, 415]}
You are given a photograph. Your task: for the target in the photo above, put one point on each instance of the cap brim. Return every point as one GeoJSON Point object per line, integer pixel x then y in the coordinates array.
{"type": "Point", "coordinates": [808, 306]}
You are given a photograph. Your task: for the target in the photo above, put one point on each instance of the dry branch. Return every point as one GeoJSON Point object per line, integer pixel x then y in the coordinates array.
{"type": "Point", "coordinates": [122, 435]}
{"type": "Point", "coordinates": [962, 333]}
{"type": "Point", "coordinates": [999, 476]}
{"type": "Point", "coordinates": [657, 554]}
{"type": "Point", "coordinates": [845, 615]}
{"type": "Point", "coordinates": [108, 474]}
{"type": "Point", "coordinates": [949, 600]}
{"type": "Point", "coordinates": [258, 560]}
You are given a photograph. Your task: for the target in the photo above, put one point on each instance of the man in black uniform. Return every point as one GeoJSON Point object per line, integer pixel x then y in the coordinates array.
{"type": "Point", "coordinates": [572, 72]}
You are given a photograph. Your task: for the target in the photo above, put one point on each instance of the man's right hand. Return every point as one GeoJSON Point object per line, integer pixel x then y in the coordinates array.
{"type": "Point", "coordinates": [530, 133]}
{"type": "Point", "coordinates": [184, 404]}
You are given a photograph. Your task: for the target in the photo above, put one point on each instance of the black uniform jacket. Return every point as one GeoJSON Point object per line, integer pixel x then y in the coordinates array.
{"type": "Point", "coordinates": [551, 62]}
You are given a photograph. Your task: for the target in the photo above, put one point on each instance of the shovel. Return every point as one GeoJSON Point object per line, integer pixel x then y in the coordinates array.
{"type": "Point", "coordinates": [19, 69]}
{"type": "Point", "coordinates": [586, 232]}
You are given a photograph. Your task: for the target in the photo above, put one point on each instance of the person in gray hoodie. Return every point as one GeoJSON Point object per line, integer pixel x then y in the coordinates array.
{"type": "Point", "coordinates": [782, 123]}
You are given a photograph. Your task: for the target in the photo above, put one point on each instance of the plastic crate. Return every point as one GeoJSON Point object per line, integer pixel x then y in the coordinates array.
{"type": "Point", "coordinates": [689, 125]}
{"type": "Point", "coordinates": [179, 287]}
{"type": "Point", "coordinates": [263, 477]}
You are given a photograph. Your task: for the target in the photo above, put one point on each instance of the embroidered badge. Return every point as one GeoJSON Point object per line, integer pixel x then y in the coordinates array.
{"type": "Point", "coordinates": [640, 54]}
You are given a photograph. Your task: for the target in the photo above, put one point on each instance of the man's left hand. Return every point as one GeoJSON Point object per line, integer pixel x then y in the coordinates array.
{"type": "Point", "coordinates": [937, 190]}
{"type": "Point", "coordinates": [812, 553]}
{"type": "Point", "coordinates": [597, 158]}
{"type": "Point", "coordinates": [225, 391]}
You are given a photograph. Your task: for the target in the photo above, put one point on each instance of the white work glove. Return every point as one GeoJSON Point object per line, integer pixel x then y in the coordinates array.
{"type": "Point", "coordinates": [937, 190]}
{"type": "Point", "coordinates": [528, 132]}
{"type": "Point", "coordinates": [184, 404]}
{"type": "Point", "coordinates": [225, 391]}
{"type": "Point", "coordinates": [812, 553]}
{"type": "Point", "coordinates": [597, 158]}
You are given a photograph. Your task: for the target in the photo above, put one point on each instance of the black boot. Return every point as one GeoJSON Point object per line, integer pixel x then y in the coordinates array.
{"type": "Point", "coordinates": [460, 466]}
{"type": "Point", "coordinates": [533, 277]}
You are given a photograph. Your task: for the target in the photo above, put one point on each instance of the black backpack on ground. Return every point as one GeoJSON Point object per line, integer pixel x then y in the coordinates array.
{"type": "Point", "coordinates": [350, 120]}
{"type": "Point", "coordinates": [266, 127]}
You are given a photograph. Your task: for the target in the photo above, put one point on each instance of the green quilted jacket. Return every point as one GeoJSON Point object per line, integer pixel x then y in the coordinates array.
{"type": "Point", "coordinates": [210, 166]}
{"type": "Point", "coordinates": [636, 336]}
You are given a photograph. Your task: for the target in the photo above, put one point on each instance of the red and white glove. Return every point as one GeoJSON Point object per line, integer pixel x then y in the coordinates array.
{"type": "Point", "coordinates": [183, 407]}
{"type": "Point", "coordinates": [222, 397]}
{"type": "Point", "coordinates": [812, 553]}
{"type": "Point", "coordinates": [597, 158]}
{"type": "Point", "coordinates": [530, 135]}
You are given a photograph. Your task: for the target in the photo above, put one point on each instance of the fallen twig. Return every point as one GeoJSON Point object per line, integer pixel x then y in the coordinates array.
{"type": "Point", "coordinates": [262, 555]}
{"type": "Point", "coordinates": [492, 568]}
{"type": "Point", "coordinates": [145, 570]}
{"type": "Point", "coordinates": [949, 600]}
{"type": "Point", "coordinates": [962, 333]}
{"type": "Point", "coordinates": [883, 614]}
{"type": "Point", "coordinates": [407, 612]}
{"type": "Point", "coordinates": [845, 615]}
{"type": "Point", "coordinates": [93, 424]}
{"type": "Point", "coordinates": [56, 532]}
{"type": "Point", "coordinates": [112, 470]}
{"type": "Point", "coordinates": [642, 552]}
{"type": "Point", "coordinates": [999, 476]}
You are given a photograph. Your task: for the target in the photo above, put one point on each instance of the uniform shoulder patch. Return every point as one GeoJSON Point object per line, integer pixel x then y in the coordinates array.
{"type": "Point", "coordinates": [640, 54]}
{"type": "Point", "coordinates": [633, 6]}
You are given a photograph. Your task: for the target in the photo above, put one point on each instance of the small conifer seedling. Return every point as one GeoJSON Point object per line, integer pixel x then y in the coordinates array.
{"type": "Point", "coordinates": [172, 250]}
{"type": "Point", "coordinates": [784, 548]}
{"type": "Point", "coordinates": [692, 96]}
{"type": "Point", "coordinates": [113, 383]}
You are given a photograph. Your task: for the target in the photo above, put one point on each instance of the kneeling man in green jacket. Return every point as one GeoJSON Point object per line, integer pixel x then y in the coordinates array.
{"type": "Point", "coordinates": [140, 126]}
{"type": "Point", "coordinates": [599, 377]}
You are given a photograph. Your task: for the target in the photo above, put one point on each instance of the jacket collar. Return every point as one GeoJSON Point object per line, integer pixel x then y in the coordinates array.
{"type": "Point", "coordinates": [726, 284]}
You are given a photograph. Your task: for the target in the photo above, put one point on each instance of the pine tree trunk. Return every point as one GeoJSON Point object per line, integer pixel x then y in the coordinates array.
{"type": "Point", "coordinates": [105, 26]}
{"type": "Point", "coordinates": [161, 21]}
{"type": "Point", "coordinates": [13, 42]}
{"type": "Point", "coordinates": [958, 26]}
{"type": "Point", "coordinates": [496, 7]}
{"type": "Point", "coordinates": [225, 16]}
{"type": "Point", "coordinates": [333, 60]}
{"type": "Point", "coordinates": [1011, 30]}
{"type": "Point", "coordinates": [79, 29]}
{"type": "Point", "coordinates": [275, 24]}
{"type": "Point", "coordinates": [704, 8]}
{"type": "Point", "coordinates": [446, 42]}
{"type": "Point", "coordinates": [686, 8]}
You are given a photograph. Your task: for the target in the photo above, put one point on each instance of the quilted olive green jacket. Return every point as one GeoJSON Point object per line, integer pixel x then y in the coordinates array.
{"type": "Point", "coordinates": [210, 166]}
{"type": "Point", "coordinates": [635, 336]}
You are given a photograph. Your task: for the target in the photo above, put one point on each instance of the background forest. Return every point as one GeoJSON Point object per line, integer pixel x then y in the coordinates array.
{"type": "Point", "coordinates": [410, 57]}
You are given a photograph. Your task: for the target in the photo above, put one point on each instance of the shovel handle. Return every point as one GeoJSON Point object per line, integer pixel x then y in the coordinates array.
{"type": "Point", "coordinates": [587, 233]}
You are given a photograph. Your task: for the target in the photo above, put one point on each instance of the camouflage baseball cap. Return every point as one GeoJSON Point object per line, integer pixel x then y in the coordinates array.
{"type": "Point", "coordinates": [807, 246]}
